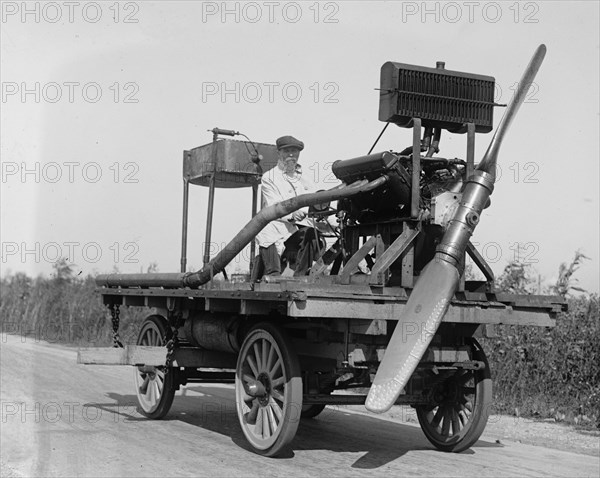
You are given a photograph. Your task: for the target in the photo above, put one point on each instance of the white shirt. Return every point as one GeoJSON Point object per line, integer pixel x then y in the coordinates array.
{"type": "Point", "coordinates": [277, 186]}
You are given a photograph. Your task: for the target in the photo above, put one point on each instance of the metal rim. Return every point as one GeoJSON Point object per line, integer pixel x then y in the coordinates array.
{"type": "Point", "coordinates": [268, 389]}
{"type": "Point", "coordinates": [461, 409]}
{"type": "Point", "coordinates": [154, 388]}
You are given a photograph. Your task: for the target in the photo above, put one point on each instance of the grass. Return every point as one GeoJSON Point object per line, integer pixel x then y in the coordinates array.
{"type": "Point", "coordinates": [550, 373]}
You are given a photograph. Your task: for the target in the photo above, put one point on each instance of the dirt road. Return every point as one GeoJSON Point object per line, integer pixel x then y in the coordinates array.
{"type": "Point", "coordinates": [64, 419]}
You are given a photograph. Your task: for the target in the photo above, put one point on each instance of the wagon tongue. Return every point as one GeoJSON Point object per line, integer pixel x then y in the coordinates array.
{"type": "Point", "coordinates": [437, 283]}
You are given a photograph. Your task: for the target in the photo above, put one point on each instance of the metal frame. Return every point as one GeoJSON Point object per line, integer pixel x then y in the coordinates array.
{"type": "Point", "coordinates": [210, 205]}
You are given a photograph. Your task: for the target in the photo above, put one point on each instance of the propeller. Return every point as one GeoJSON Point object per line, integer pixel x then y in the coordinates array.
{"type": "Point", "coordinates": [429, 300]}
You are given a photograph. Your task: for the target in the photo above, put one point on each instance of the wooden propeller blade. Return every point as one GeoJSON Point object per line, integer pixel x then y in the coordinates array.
{"type": "Point", "coordinates": [437, 283]}
{"type": "Point", "coordinates": [416, 327]}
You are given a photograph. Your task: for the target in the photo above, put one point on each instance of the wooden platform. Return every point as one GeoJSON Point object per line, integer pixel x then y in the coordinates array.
{"type": "Point", "coordinates": [155, 356]}
{"type": "Point", "coordinates": [298, 299]}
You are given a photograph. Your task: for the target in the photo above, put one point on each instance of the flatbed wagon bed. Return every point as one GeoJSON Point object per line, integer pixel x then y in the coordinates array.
{"type": "Point", "coordinates": [334, 336]}
{"type": "Point", "coordinates": [295, 299]}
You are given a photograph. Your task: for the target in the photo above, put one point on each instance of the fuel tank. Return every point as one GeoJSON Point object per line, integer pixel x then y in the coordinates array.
{"type": "Point", "coordinates": [213, 331]}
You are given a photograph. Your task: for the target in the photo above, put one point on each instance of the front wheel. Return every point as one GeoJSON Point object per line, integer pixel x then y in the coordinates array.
{"type": "Point", "coordinates": [462, 403]}
{"type": "Point", "coordinates": [155, 389]}
{"type": "Point", "coordinates": [268, 389]}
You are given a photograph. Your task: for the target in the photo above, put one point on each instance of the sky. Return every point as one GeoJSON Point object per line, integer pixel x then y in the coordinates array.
{"type": "Point", "coordinates": [99, 100]}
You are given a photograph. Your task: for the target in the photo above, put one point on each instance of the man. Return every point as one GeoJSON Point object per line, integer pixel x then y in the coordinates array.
{"type": "Point", "coordinates": [284, 181]}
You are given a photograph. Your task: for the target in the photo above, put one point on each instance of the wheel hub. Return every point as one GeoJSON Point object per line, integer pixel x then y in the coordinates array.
{"type": "Point", "coordinates": [448, 391]}
{"type": "Point", "coordinates": [265, 383]}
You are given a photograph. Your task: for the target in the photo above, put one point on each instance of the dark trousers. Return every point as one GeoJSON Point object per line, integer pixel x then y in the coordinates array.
{"type": "Point", "coordinates": [270, 259]}
{"type": "Point", "coordinates": [301, 249]}
{"type": "Point", "coordinates": [267, 262]}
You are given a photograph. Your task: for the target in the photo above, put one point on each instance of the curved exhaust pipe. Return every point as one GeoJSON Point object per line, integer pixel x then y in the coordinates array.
{"type": "Point", "coordinates": [271, 213]}
{"type": "Point", "coordinates": [241, 240]}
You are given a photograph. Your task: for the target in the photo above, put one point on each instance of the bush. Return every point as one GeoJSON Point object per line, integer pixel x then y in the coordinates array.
{"type": "Point", "coordinates": [550, 372]}
{"type": "Point", "coordinates": [62, 309]}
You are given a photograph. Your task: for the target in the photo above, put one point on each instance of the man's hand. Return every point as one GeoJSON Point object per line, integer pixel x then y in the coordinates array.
{"type": "Point", "coordinates": [298, 215]}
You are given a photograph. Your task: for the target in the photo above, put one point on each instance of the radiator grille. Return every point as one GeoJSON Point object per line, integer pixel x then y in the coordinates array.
{"type": "Point", "coordinates": [441, 98]}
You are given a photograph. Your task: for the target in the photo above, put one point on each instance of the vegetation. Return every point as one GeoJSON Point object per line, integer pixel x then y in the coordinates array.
{"type": "Point", "coordinates": [548, 373]}
{"type": "Point", "coordinates": [61, 309]}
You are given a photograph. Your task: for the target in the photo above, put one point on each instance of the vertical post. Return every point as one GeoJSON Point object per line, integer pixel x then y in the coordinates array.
{"type": "Point", "coordinates": [209, 216]}
{"type": "Point", "coordinates": [253, 243]}
{"type": "Point", "coordinates": [470, 149]}
{"type": "Point", "coordinates": [211, 202]}
{"type": "Point", "coordinates": [470, 169]}
{"type": "Point", "coordinates": [416, 168]}
{"type": "Point", "coordinates": [184, 225]}
{"type": "Point", "coordinates": [408, 260]}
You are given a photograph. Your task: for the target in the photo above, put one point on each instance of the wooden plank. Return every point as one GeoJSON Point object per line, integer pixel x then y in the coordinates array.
{"type": "Point", "coordinates": [222, 305]}
{"type": "Point", "coordinates": [358, 256]}
{"type": "Point", "coordinates": [261, 307]}
{"type": "Point", "coordinates": [129, 355]}
{"type": "Point", "coordinates": [261, 292]}
{"type": "Point", "coordinates": [407, 278]}
{"type": "Point", "coordinates": [480, 262]}
{"type": "Point", "coordinates": [506, 315]}
{"type": "Point", "coordinates": [392, 253]}
{"type": "Point", "coordinates": [155, 356]}
{"type": "Point", "coordinates": [389, 310]}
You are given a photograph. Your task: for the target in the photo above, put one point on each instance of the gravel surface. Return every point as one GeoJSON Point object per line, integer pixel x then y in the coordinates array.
{"type": "Point", "coordinates": [201, 434]}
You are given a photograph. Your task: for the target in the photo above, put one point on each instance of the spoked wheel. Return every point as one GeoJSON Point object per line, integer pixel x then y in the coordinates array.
{"type": "Point", "coordinates": [268, 389]}
{"type": "Point", "coordinates": [155, 389]}
{"type": "Point", "coordinates": [462, 405]}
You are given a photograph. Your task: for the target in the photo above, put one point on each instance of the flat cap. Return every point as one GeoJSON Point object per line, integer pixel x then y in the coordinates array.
{"type": "Point", "coordinates": [289, 142]}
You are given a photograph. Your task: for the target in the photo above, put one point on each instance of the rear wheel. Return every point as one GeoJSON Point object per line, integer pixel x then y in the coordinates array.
{"type": "Point", "coordinates": [268, 389]}
{"type": "Point", "coordinates": [462, 403]}
{"type": "Point", "coordinates": [155, 389]}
